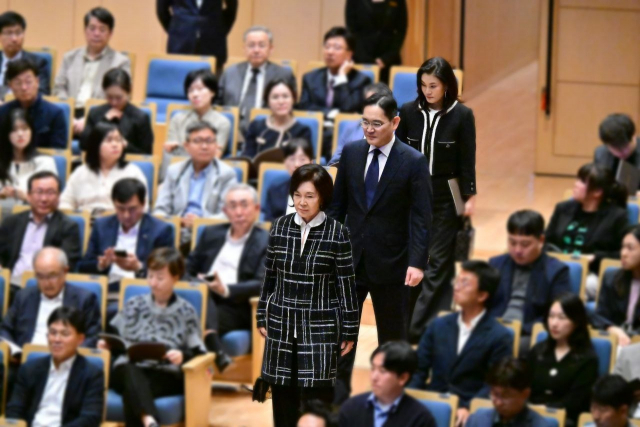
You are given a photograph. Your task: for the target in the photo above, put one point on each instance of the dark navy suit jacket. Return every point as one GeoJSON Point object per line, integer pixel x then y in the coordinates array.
{"type": "Point", "coordinates": [461, 374]}
{"type": "Point", "coordinates": [277, 198]}
{"type": "Point", "coordinates": [347, 97]}
{"type": "Point", "coordinates": [154, 233]}
{"type": "Point", "coordinates": [527, 418]}
{"type": "Point", "coordinates": [83, 401]}
{"type": "Point", "coordinates": [44, 72]}
{"type": "Point", "coordinates": [549, 278]}
{"type": "Point", "coordinates": [19, 325]}
{"type": "Point", "coordinates": [51, 130]}
{"type": "Point", "coordinates": [359, 412]}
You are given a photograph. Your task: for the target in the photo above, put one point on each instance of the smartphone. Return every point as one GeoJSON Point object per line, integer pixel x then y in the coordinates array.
{"type": "Point", "coordinates": [120, 253]}
{"type": "Point", "coordinates": [211, 277]}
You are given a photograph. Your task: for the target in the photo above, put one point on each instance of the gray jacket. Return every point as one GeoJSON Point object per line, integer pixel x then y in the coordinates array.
{"type": "Point", "coordinates": [232, 80]}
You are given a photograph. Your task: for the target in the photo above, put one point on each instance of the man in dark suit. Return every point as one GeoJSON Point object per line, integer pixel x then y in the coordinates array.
{"type": "Point", "coordinates": [63, 388]}
{"type": "Point", "coordinates": [44, 225]}
{"type": "Point", "coordinates": [242, 84]}
{"type": "Point", "coordinates": [230, 258]}
{"type": "Point", "coordinates": [198, 27]}
{"type": "Point", "coordinates": [392, 365]}
{"type": "Point", "coordinates": [12, 28]}
{"type": "Point", "coordinates": [383, 189]}
{"type": "Point", "coordinates": [619, 142]}
{"type": "Point", "coordinates": [336, 88]}
{"type": "Point", "coordinates": [459, 348]}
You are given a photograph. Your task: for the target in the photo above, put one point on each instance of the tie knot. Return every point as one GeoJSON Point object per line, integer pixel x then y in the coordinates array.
{"type": "Point", "coordinates": [376, 152]}
{"type": "Point", "coordinates": [255, 71]}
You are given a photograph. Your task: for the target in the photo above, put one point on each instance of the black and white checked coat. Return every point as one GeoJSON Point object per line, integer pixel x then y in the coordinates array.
{"type": "Point", "coordinates": [310, 295]}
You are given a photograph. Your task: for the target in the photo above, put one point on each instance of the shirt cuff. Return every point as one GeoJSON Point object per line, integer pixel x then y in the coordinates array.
{"type": "Point", "coordinates": [226, 291]}
{"type": "Point", "coordinates": [340, 80]}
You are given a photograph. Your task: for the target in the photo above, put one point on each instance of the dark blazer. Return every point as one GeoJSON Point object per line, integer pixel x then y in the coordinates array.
{"type": "Point", "coordinates": [83, 401]}
{"type": "Point", "coordinates": [62, 232]}
{"type": "Point", "coordinates": [379, 30]}
{"type": "Point", "coordinates": [604, 237]}
{"type": "Point", "coordinates": [51, 130]}
{"type": "Point", "coordinates": [526, 418]}
{"type": "Point", "coordinates": [153, 233]}
{"type": "Point", "coordinates": [461, 374]}
{"type": "Point", "coordinates": [232, 81]}
{"type": "Point", "coordinates": [612, 304]}
{"type": "Point", "coordinates": [359, 412]}
{"type": "Point", "coordinates": [19, 325]}
{"type": "Point", "coordinates": [549, 278]}
{"type": "Point", "coordinates": [135, 128]}
{"type": "Point", "coordinates": [394, 233]}
{"type": "Point", "coordinates": [347, 97]}
{"type": "Point", "coordinates": [250, 270]}
{"type": "Point", "coordinates": [260, 136]}
{"type": "Point", "coordinates": [452, 148]}
{"type": "Point", "coordinates": [603, 157]}
{"type": "Point", "coordinates": [44, 72]}
{"type": "Point", "coordinates": [203, 29]}
{"type": "Point", "coordinates": [277, 198]}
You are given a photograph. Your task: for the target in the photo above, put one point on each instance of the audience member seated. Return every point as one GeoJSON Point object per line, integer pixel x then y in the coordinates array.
{"type": "Point", "coordinates": [564, 367]}
{"type": "Point", "coordinates": [392, 365]}
{"type": "Point", "coordinates": [19, 159]}
{"type": "Point", "coordinates": [12, 29]}
{"type": "Point", "coordinates": [131, 231]}
{"type": "Point", "coordinates": [316, 414]}
{"type": "Point", "coordinates": [80, 75]}
{"type": "Point", "coordinates": [354, 131]}
{"type": "Point", "coordinates": [510, 383]}
{"type": "Point", "coordinates": [195, 188]}
{"type": "Point", "coordinates": [280, 127]}
{"type": "Point", "coordinates": [336, 88]}
{"type": "Point", "coordinates": [297, 152]}
{"type": "Point", "coordinates": [50, 129]}
{"type": "Point", "coordinates": [231, 259]}
{"type": "Point", "coordinates": [242, 84]}
{"type": "Point", "coordinates": [160, 316]}
{"type": "Point", "coordinates": [134, 124]}
{"type": "Point", "coordinates": [26, 320]}
{"type": "Point", "coordinates": [592, 223]}
{"type": "Point", "coordinates": [611, 400]}
{"type": "Point", "coordinates": [618, 135]}
{"type": "Point", "coordinates": [627, 367]}
{"type": "Point", "coordinates": [459, 348]}
{"type": "Point", "coordinates": [61, 389]}
{"type": "Point", "coordinates": [89, 186]}
{"type": "Point", "coordinates": [25, 233]}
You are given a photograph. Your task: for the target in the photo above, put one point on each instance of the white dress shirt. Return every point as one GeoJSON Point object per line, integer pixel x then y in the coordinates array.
{"type": "Point", "coordinates": [306, 227]}
{"type": "Point", "coordinates": [49, 413]}
{"type": "Point", "coordinates": [47, 305]}
{"type": "Point", "coordinates": [89, 72]}
{"type": "Point", "coordinates": [259, 83]}
{"type": "Point", "coordinates": [382, 157]}
{"type": "Point", "coordinates": [127, 241]}
{"type": "Point", "coordinates": [464, 331]}
{"type": "Point", "coordinates": [290, 206]}
{"type": "Point", "coordinates": [228, 260]}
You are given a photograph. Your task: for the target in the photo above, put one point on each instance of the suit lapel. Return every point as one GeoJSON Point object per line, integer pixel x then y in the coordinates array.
{"type": "Point", "coordinates": [143, 237]}
{"type": "Point", "coordinates": [216, 245]}
{"type": "Point", "coordinates": [17, 242]}
{"type": "Point", "coordinates": [73, 383]}
{"type": "Point", "coordinates": [394, 162]}
{"type": "Point", "coordinates": [103, 67]}
{"type": "Point", "coordinates": [32, 306]}
{"type": "Point", "coordinates": [476, 337]}
{"type": "Point", "coordinates": [358, 170]}
{"type": "Point", "coordinates": [41, 373]}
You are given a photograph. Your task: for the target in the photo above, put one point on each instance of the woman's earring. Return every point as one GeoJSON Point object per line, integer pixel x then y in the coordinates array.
{"type": "Point", "coordinates": [445, 93]}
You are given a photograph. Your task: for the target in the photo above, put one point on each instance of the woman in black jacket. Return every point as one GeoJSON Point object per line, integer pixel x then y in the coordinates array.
{"type": "Point", "coordinates": [444, 130]}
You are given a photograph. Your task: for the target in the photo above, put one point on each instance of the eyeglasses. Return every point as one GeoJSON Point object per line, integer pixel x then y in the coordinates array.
{"type": "Point", "coordinates": [203, 141]}
{"type": "Point", "coordinates": [335, 47]}
{"type": "Point", "coordinates": [48, 277]}
{"type": "Point", "coordinates": [41, 193]}
{"type": "Point", "coordinates": [27, 82]}
{"type": "Point", "coordinates": [375, 125]}
{"type": "Point", "coordinates": [62, 334]}
{"type": "Point", "coordinates": [16, 33]}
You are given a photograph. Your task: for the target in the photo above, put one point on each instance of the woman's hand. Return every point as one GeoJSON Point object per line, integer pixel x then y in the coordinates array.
{"type": "Point", "coordinates": [102, 345]}
{"type": "Point", "coordinates": [470, 206]}
{"type": "Point", "coordinates": [346, 347]}
{"type": "Point", "coordinates": [174, 356]}
{"type": "Point", "coordinates": [113, 113]}
{"type": "Point", "coordinates": [623, 338]}
{"type": "Point", "coordinates": [263, 332]}
{"type": "Point", "coordinates": [462, 414]}
{"type": "Point", "coordinates": [169, 146]}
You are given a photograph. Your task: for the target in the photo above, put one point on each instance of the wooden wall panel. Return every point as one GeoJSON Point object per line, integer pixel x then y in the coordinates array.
{"type": "Point", "coordinates": [80, 8]}
{"type": "Point", "coordinates": [244, 20]}
{"type": "Point", "coordinates": [49, 22]}
{"type": "Point", "coordinates": [602, 4]}
{"type": "Point", "coordinates": [443, 26]}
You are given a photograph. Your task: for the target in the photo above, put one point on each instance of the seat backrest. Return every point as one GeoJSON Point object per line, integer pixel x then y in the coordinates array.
{"type": "Point", "coordinates": [514, 327]}
{"type": "Point", "coordinates": [632, 212]}
{"type": "Point", "coordinates": [5, 354]}
{"type": "Point", "coordinates": [199, 224]}
{"type": "Point", "coordinates": [270, 174]}
{"type": "Point", "coordinates": [83, 219]}
{"type": "Point", "coordinates": [553, 416]}
{"type": "Point", "coordinates": [241, 167]}
{"type": "Point", "coordinates": [147, 165]}
{"type": "Point", "coordinates": [442, 406]}
{"type": "Point", "coordinates": [370, 70]}
{"type": "Point", "coordinates": [49, 56]}
{"type": "Point", "coordinates": [608, 267]}
{"type": "Point", "coordinates": [575, 276]}
{"type": "Point", "coordinates": [232, 114]}
{"type": "Point", "coordinates": [578, 271]}
{"type": "Point", "coordinates": [403, 84]}
{"type": "Point", "coordinates": [67, 106]}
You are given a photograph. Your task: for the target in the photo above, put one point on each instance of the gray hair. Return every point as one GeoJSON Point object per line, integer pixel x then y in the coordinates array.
{"type": "Point", "coordinates": [241, 186]}
{"type": "Point", "coordinates": [62, 257]}
{"type": "Point", "coordinates": [256, 28]}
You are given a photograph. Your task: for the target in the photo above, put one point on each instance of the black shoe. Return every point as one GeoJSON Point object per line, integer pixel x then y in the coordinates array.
{"type": "Point", "coordinates": [222, 361]}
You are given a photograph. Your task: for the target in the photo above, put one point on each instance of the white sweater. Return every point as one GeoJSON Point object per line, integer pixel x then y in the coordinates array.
{"type": "Point", "coordinates": [21, 172]}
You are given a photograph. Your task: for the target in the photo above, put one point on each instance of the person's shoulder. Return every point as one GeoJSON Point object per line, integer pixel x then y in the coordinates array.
{"type": "Point", "coordinates": [8, 106]}
{"type": "Point", "coordinates": [120, 57]}
{"type": "Point", "coordinates": [357, 77]}
{"type": "Point", "coordinates": [106, 222]}
{"type": "Point", "coordinates": [315, 74]}
{"type": "Point", "coordinates": [552, 263]}
{"type": "Point", "coordinates": [602, 152]}
{"type": "Point", "coordinates": [481, 418]}
{"type": "Point", "coordinates": [461, 109]}
{"type": "Point", "coordinates": [353, 146]}
{"type": "Point", "coordinates": [214, 231]}
{"type": "Point", "coordinates": [37, 364]}
{"type": "Point", "coordinates": [25, 294]}
{"type": "Point", "coordinates": [36, 59]}
{"type": "Point", "coordinates": [258, 124]}
{"type": "Point", "coordinates": [409, 107]}
{"type": "Point", "coordinates": [499, 260]}
{"type": "Point", "coordinates": [70, 54]}
{"type": "Point", "coordinates": [218, 119]}
{"type": "Point", "coordinates": [535, 419]}
{"type": "Point", "coordinates": [16, 218]}
{"type": "Point", "coordinates": [175, 169]}
{"type": "Point", "coordinates": [44, 161]}
{"type": "Point", "coordinates": [566, 205]}
{"type": "Point", "coordinates": [412, 404]}
{"type": "Point", "coordinates": [225, 169]}
{"type": "Point", "coordinates": [260, 234]}
{"type": "Point", "coordinates": [356, 402]}
{"type": "Point", "coordinates": [630, 352]}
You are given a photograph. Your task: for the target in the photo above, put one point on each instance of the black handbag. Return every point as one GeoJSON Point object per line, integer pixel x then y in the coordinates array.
{"type": "Point", "coordinates": [261, 390]}
{"type": "Point", "coordinates": [464, 241]}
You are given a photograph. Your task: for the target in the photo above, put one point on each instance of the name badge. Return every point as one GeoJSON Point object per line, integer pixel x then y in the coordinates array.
{"type": "Point", "coordinates": [261, 140]}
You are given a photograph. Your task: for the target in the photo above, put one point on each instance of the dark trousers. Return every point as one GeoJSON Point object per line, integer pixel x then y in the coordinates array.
{"type": "Point", "coordinates": [436, 293]}
{"type": "Point", "coordinates": [390, 306]}
{"type": "Point", "coordinates": [288, 400]}
{"type": "Point", "coordinates": [140, 386]}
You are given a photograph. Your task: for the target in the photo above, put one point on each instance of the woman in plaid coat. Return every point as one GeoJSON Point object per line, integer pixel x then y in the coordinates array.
{"type": "Point", "coordinates": [308, 310]}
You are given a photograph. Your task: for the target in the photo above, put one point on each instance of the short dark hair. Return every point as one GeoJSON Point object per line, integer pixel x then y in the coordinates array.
{"type": "Point", "coordinates": [205, 76]}
{"type": "Point", "coordinates": [97, 135]}
{"type": "Point", "coordinates": [10, 19]}
{"type": "Point", "coordinates": [526, 222]}
{"type": "Point", "coordinates": [399, 357]}
{"type": "Point", "coordinates": [276, 82]}
{"type": "Point", "coordinates": [319, 177]}
{"type": "Point", "coordinates": [488, 277]}
{"type": "Point", "coordinates": [166, 257]}
{"type": "Point", "coordinates": [102, 15]}
{"type": "Point", "coordinates": [19, 66]}
{"type": "Point", "coordinates": [341, 32]}
{"type": "Point", "coordinates": [42, 175]}
{"type": "Point", "coordinates": [124, 189]}
{"type": "Point", "coordinates": [69, 316]}
{"type": "Point", "coordinates": [386, 102]}
{"type": "Point", "coordinates": [612, 390]}
{"type": "Point", "coordinates": [442, 70]}
{"type": "Point", "coordinates": [117, 77]}
{"type": "Point", "coordinates": [378, 88]}
{"type": "Point", "coordinates": [319, 409]}
{"type": "Point", "coordinates": [617, 130]}
{"type": "Point", "coordinates": [511, 373]}
{"type": "Point", "coordinates": [290, 148]}
{"type": "Point", "coordinates": [200, 125]}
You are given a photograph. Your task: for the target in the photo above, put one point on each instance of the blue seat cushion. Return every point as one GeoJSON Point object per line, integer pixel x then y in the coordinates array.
{"type": "Point", "coordinates": [441, 412]}
{"type": "Point", "coordinates": [170, 408]}
{"type": "Point", "coordinates": [237, 343]}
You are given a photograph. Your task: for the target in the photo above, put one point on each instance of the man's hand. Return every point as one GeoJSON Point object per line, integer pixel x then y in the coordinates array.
{"type": "Point", "coordinates": [102, 345]}
{"type": "Point", "coordinates": [113, 113]}
{"type": "Point", "coordinates": [263, 332]}
{"type": "Point", "coordinates": [414, 276]}
{"type": "Point", "coordinates": [174, 356]}
{"type": "Point", "coordinates": [218, 287]}
{"type": "Point", "coordinates": [461, 417]}
{"type": "Point", "coordinates": [345, 68]}
{"type": "Point", "coordinates": [169, 146]}
{"type": "Point", "coordinates": [346, 347]}
{"type": "Point", "coordinates": [623, 338]}
{"type": "Point", "coordinates": [78, 126]}
{"type": "Point", "coordinates": [379, 63]}
{"type": "Point", "coordinates": [187, 220]}
{"type": "Point", "coordinates": [106, 259]}
{"type": "Point", "coordinates": [128, 263]}
{"type": "Point", "coordinates": [470, 206]}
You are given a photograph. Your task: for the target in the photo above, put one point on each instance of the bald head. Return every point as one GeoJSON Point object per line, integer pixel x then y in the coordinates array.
{"type": "Point", "coordinates": [51, 266]}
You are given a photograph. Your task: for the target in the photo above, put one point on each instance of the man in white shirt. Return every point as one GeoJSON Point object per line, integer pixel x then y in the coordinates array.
{"type": "Point", "coordinates": [61, 389]}
{"type": "Point", "coordinates": [230, 258]}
